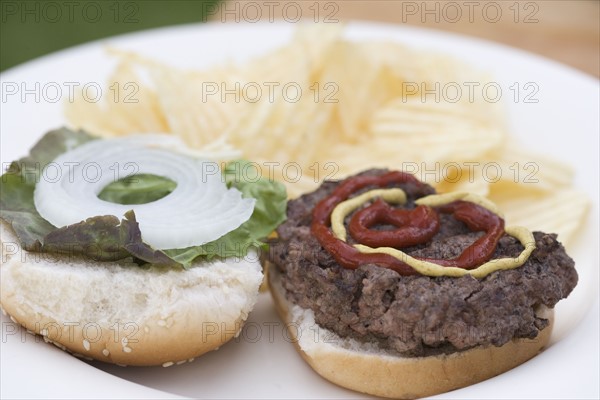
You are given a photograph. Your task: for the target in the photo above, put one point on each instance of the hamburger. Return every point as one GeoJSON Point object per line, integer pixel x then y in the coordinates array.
{"type": "Point", "coordinates": [133, 250]}
{"type": "Point", "coordinates": [393, 290]}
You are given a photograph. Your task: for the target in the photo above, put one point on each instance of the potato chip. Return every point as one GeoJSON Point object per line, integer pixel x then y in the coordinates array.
{"type": "Point", "coordinates": [128, 106]}
{"type": "Point", "coordinates": [430, 132]}
{"type": "Point", "coordinates": [324, 107]}
{"type": "Point", "coordinates": [524, 167]}
{"type": "Point", "coordinates": [560, 211]}
{"type": "Point", "coordinates": [193, 103]}
{"type": "Point", "coordinates": [466, 177]}
{"type": "Point", "coordinates": [357, 85]}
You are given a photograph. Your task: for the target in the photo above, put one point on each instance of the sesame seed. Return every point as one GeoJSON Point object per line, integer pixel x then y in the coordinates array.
{"type": "Point", "coordinates": [180, 362]}
{"type": "Point", "coordinates": [127, 349]}
{"type": "Point", "coordinates": [190, 360]}
{"type": "Point", "coordinates": [3, 312]}
{"type": "Point", "coordinates": [124, 341]}
{"type": "Point", "coordinates": [44, 332]}
{"type": "Point", "coordinates": [46, 339]}
{"type": "Point", "coordinates": [106, 352]}
{"type": "Point", "coordinates": [161, 322]}
{"type": "Point", "coordinates": [86, 344]}
{"type": "Point", "coordinates": [13, 319]}
{"type": "Point", "coordinates": [78, 355]}
{"type": "Point", "coordinates": [146, 329]}
{"type": "Point", "coordinates": [168, 364]}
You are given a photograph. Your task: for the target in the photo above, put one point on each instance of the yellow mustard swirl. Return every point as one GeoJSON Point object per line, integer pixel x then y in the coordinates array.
{"type": "Point", "coordinates": [397, 196]}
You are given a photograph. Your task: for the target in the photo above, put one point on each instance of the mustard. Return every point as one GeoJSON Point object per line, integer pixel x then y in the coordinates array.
{"type": "Point", "coordinates": [397, 196]}
{"type": "Point", "coordinates": [436, 200]}
{"type": "Point", "coordinates": [394, 196]}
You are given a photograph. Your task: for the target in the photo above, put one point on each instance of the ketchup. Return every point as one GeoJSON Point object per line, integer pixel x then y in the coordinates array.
{"type": "Point", "coordinates": [412, 227]}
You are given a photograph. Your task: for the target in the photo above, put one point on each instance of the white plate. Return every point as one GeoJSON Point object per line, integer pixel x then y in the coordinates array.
{"type": "Point", "coordinates": [262, 364]}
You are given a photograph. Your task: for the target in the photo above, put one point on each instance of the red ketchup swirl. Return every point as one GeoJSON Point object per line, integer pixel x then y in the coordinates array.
{"type": "Point", "coordinates": [413, 227]}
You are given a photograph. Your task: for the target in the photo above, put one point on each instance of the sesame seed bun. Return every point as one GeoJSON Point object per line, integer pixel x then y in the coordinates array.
{"type": "Point", "coordinates": [365, 368]}
{"type": "Point", "coordinates": [120, 313]}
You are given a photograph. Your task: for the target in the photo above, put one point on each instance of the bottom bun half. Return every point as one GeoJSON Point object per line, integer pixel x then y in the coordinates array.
{"type": "Point", "coordinates": [121, 313]}
{"type": "Point", "coordinates": [368, 369]}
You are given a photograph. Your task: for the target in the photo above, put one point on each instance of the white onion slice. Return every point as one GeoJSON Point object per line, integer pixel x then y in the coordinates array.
{"type": "Point", "coordinates": [200, 209]}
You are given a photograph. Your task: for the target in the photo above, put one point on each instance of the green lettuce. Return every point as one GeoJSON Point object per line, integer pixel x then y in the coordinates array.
{"type": "Point", "coordinates": [269, 212]}
{"type": "Point", "coordinates": [137, 189]}
{"type": "Point", "coordinates": [105, 238]}
{"type": "Point", "coordinates": [18, 183]}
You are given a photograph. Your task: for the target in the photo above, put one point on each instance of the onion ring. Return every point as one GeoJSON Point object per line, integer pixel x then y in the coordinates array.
{"type": "Point", "coordinates": [199, 210]}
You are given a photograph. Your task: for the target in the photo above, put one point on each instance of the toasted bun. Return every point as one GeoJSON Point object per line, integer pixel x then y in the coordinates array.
{"type": "Point", "coordinates": [120, 313]}
{"type": "Point", "coordinates": [368, 369]}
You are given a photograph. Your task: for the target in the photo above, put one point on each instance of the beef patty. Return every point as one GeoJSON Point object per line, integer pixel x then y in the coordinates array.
{"type": "Point", "coordinates": [420, 315]}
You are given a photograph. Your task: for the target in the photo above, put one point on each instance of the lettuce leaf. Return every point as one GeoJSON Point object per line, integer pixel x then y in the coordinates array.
{"type": "Point", "coordinates": [105, 238]}
{"type": "Point", "coordinates": [18, 183]}
{"type": "Point", "coordinates": [137, 189]}
{"type": "Point", "coordinates": [17, 208]}
{"type": "Point", "coordinates": [269, 212]}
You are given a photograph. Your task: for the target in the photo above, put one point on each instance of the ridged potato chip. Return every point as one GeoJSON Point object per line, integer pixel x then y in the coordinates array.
{"type": "Point", "coordinates": [434, 131]}
{"type": "Point", "coordinates": [560, 211]}
{"type": "Point", "coordinates": [323, 107]}
{"type": "Point", "coordinates": [129, 106]}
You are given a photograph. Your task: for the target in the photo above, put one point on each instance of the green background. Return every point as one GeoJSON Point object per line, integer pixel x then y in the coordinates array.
{"type": "Point", "coordinates": [29, 29]}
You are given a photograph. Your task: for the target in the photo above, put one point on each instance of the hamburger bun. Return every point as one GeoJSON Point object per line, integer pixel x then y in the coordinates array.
{"type": "Point", "coordinates": [365, 368]}
{"type": "Point", "coordinates": [120, 313]}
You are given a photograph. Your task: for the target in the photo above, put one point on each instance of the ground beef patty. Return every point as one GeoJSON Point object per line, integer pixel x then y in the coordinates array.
{"type": "Point", "coordinates": [419, 315]}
